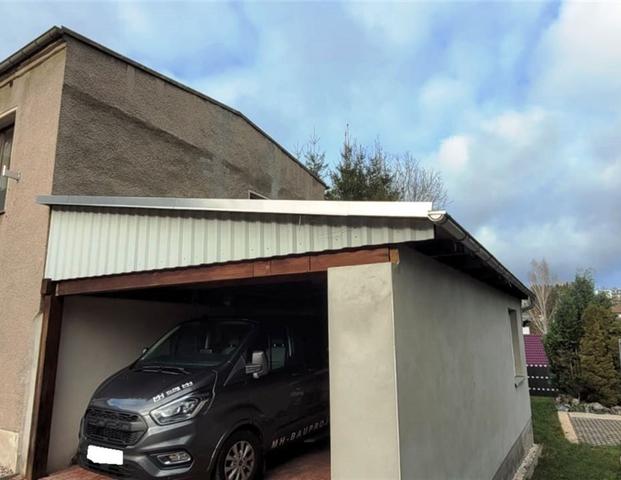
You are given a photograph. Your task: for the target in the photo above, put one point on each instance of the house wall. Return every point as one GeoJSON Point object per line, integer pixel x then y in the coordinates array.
{"type": "Point", "coordinates": [125, 132]}
{"type": "Point", "coordinates": [32, 96]}
{"type": "Point", "coordinates": [460, 413]}
{"type": "Point", "coordinates": [99, 337]}
{"type": "Point", "coordinates": [363, 392]}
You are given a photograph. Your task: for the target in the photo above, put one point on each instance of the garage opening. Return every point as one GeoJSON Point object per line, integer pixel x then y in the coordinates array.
{"type": "Point", "coordinates": [284, 408]}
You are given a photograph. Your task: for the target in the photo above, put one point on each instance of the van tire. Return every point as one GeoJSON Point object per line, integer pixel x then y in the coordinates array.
{"type": "Point", "coordinates": [241, 450]}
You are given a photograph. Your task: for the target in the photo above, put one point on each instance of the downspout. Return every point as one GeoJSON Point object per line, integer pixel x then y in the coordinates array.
{"type": "Point", "coordinates": [444, 220]}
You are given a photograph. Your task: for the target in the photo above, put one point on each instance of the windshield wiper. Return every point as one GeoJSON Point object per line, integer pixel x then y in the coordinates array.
{"type": "Point", "coordinates": [169, 369]}
{"type": "Point", "coordinates": [179, 369]}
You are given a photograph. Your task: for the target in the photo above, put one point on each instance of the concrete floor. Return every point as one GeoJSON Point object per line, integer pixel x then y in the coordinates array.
{"type": "Point", "coordinates": [307, 462]}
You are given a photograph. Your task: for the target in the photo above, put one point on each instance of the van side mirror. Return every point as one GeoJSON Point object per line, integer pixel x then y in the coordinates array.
{"type": "Point", "coordinates": [258, 366]}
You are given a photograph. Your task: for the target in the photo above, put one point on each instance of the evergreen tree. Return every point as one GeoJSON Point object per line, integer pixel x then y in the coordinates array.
{"type": "Point", "coordinates": [360, 176]}
{"type": "Point", "coordinates": [348, 177]}
{"type": "Point", "coordinates": [314, 157]}
{"type": "Point", "coordinates": [562, 343]}
{"type": "Point", "coordinates": [380, 179]}
{"type": "Point", "coordinates": [600, 379]}
{"type": "Point", "coordinates": [373, 174]}
{"type": "Point", "coordinates": [612, 327]}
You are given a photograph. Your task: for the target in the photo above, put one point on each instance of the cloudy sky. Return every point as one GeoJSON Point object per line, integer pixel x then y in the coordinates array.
{"type": "Point", "coordinates": [517, 104]}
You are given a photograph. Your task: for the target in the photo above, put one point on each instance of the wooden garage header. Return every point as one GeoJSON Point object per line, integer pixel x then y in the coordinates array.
{"type": "Point", "coordinates": [253, 269]}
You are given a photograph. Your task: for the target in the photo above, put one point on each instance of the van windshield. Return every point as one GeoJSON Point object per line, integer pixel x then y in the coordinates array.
{"type": "Point", "coordinates": [202, 343]}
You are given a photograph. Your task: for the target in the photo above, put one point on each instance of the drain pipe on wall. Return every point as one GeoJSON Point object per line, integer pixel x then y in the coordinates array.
{"type": "Point", "coordinates": [444, 220]}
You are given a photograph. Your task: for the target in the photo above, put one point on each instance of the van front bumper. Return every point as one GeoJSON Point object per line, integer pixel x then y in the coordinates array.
{"type": "Point", "coordinates": [139, 467]}
{"type": "Point", "coordinates": [140, 460]}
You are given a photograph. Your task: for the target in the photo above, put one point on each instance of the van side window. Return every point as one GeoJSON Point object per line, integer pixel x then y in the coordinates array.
{"type": "Point", "coordinates": [309, 337]}
{"type": "Point", "coordinates": [278, 347]}
{"type": "Point", "coordinates": [275, 341]}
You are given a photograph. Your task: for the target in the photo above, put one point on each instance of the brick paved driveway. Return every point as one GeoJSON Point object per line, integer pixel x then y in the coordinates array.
{"type": "Point", "coordinates": [597, 429]}
{"type": "Point", "coordinates": [306, 462]}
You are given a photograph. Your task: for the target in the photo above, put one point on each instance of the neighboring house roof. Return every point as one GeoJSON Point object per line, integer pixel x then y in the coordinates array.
{"type": "Point", "coordinates": [616, 309]}
{"type": "Point", "coordinates": [535, 352]}
{"type": "Point", "coordinates": [56, 33]}
{"type": "Point", "coordinates": [160, 233]}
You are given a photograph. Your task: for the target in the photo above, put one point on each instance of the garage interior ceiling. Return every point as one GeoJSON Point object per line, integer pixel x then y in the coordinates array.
{"type": "Point", "coordinates": [305, 292]}
{"type": "Point", "coordinates": [102, 236]}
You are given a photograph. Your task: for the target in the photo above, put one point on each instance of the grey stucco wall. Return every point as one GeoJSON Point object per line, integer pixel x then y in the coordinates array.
{"type": "Point", "coordinates": [99, 337]}
{"type": "Point", "coordinates": [124, 132]}
{"type": "Point", "coordinates": [460, 412]}
{"type": "Point", "coordinates": [363, 402]}
{"type": "Point", "coordinates": [31, 96]}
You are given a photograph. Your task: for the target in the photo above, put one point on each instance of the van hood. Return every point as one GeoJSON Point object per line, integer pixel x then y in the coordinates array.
{"type": "Point", "coordinates": [140, 391]}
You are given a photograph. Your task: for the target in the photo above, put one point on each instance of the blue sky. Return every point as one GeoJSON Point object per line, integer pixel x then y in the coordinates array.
{"type": "Point", "coordinates": [517, 104]}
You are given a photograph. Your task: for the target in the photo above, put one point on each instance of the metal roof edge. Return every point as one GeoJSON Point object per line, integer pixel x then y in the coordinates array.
{"type": "Point", "coordinates": [285, 207]}
{"type": "Point", "coordinates": [460, 234]}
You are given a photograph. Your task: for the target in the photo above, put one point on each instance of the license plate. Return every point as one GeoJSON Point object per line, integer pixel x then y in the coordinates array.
{"type": "Point", "coordinates": [105, 456]}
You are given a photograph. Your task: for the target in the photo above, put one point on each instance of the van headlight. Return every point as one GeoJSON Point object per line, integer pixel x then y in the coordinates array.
{"type": "Point", "coordinates": [178, 410]}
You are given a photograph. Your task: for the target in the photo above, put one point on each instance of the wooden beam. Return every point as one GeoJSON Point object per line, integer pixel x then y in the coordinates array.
{"type": "Point", "coordinates": [394, 255]}
{"type": "Point", "coordinates": [47, 286]}
{"type": "Point", "coordinates": [291, 265]}
{"type": "Point", "coordinates": [321, 263]}
{"type": "Point", "coordinates": [36, 463]}
{"type": "Point", "coordinates": [226, 271]}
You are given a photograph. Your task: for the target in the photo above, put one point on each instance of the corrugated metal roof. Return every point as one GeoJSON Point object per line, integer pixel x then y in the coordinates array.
{"type": "Point", "coordinates": [89, 241]}
{"type": "Point", "coordinates": [94, 236]}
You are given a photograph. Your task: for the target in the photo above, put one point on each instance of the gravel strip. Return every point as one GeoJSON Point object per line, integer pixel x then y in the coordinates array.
{"type": "Point", "coordinates": [527, 468]}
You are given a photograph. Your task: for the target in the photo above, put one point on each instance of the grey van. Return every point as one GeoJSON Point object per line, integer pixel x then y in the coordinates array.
{"type": "Point", "coordinates": [209, 400]}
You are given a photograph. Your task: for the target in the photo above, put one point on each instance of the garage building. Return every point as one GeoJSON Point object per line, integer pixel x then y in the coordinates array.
{"type": "Point", "coordinates": [426, 354]}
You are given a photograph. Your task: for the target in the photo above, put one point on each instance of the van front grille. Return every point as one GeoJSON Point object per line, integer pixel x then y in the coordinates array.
{"type": "Point", "coordinates": [113, 427]}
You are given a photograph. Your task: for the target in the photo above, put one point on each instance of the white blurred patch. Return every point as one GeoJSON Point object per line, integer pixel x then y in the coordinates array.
{"type": "Point", "coordinates": [105, 456]}
{"type": "Point", "coordinates": [454, 152]}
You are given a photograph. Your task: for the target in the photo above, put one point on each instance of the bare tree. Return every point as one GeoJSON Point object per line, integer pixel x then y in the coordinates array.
{"type": "Point", "coordinates": [417, 183]}
{"type": "Point", "coordinates": [544, 285]}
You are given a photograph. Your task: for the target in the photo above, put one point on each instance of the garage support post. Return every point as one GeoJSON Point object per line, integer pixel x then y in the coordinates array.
{"type": "Point", "coordinates": [45, 385]}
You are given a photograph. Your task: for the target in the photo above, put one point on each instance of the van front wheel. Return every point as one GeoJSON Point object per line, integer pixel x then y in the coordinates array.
{"type": "Point", "coordinates": [240, 458]}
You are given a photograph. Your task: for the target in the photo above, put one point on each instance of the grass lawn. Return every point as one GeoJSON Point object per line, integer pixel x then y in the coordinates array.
{"type": "Point", "coordinates": [562, 460]}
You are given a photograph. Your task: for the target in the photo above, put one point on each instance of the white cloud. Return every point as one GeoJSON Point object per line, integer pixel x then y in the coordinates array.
{"type": "Point", "coordinates": [402, 24]}
{"type": "Point", "coordinates": [517, 129]}
{"type": "Point", "coordinates": [453, 153]}
{"type": "Point", "coordinates": [579, 59]}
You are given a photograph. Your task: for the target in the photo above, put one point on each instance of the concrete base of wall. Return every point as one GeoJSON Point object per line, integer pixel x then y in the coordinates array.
{"type": "Point", "coordinates": [516, 455]}
{"type": "Point", "coordinates": [527, 469]}
{"type": "Point", "coordinates": [8, 449]}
